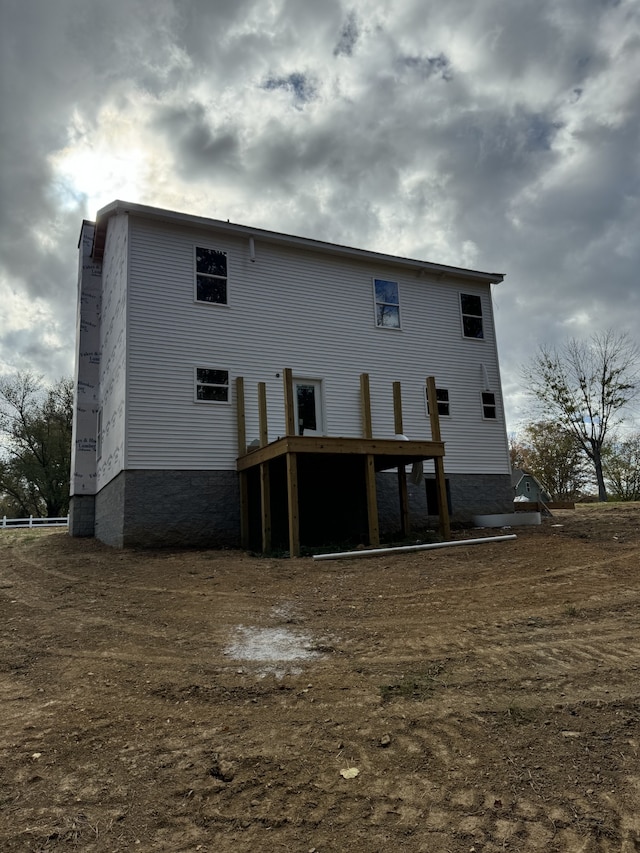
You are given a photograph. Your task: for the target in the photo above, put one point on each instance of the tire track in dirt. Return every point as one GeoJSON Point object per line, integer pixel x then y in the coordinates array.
{"type": "Point", "coordinates": [471, 694]}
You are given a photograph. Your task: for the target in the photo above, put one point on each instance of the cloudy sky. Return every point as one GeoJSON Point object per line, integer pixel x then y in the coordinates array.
{"type": "Point", "coordinates": [501, 135]}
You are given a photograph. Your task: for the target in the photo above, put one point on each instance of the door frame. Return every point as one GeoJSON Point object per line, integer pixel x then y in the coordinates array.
{"type": "Point", "coordinates": [318, 396]}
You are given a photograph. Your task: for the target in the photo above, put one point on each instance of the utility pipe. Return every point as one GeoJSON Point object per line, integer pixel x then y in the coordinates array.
{"type": "Point", "coordinates": [378, 552]}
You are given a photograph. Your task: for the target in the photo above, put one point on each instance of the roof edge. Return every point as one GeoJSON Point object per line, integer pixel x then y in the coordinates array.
{"type": "Point", "coordinates": [175, 217]}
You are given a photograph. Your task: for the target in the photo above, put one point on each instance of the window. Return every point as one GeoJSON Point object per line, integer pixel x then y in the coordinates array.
{"type": "Point", "coordinates": [211, 276]}
{"type": "Point", "coordinates": [442, 396]}
{"type": "Point", "coordinates": [387, 300]}
{"type": "Point", "coordinates": [489, 405]}
{"type": "Point", "coordinates": [471, 307]}
{"type": "Point", "coordinates": [212, 385]}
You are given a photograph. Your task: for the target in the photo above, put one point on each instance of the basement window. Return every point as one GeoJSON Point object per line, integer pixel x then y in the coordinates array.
{"type": "Point", "coordinates": [387, 303]}
{"type": "Point", "coordinates": [211, 276]}
{"type": "Point", "coordinates": [471, 308]}
{"type": "Point", "coordinates": [442, 397]}
{"type": "Point", "coordinates": [489, 405]}
{"type": "Point", "coordinates": [212, 385]}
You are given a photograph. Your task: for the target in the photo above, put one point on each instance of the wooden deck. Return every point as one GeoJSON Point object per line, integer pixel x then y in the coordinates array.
{"type": "Point", "coordinates": [387, 453]}
{"type": "Point", "coordinates": [376, 454]}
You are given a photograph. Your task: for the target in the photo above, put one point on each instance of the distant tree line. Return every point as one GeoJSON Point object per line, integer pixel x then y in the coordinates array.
{"type": "Point", "coordinates": [581, 393]}
{"type": "Point", "coordinates": [561, 467]}
{"type": "Point", "coordinates": [35, 446]}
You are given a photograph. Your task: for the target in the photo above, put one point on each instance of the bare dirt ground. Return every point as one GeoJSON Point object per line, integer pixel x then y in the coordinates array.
{"type": "Point", "coordinates": [488, 696]}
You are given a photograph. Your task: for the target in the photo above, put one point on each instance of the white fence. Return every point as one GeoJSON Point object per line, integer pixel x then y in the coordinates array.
{"type": "Point", "coordinates": [12, 523]}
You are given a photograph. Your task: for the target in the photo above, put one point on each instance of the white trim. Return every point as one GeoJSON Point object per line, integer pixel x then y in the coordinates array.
{"type": "Point", "coordinates": [462, 293]}
{"type": "Point", "coordinates": [376, 302]}
{"type": "Point", "coordinates": [318, 385]}
{"type": "Point", "coordinates": [176, 218]}
{"type": "Point", "coordinates": [217, 367]}
{"type": "Point", "coordinates": [202, 245]}
{"type": "Point", "coordinates": [448, 401]}
{"type": "Point", "coordinates": [493, 405]}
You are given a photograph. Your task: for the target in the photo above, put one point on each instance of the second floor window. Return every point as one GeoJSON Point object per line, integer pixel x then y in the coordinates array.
{"type": "Point", "coordinates": [387, 299]}
{"type": "Point", "coordinates": [211, 276]}
{"type": "Point", "coordinates": [471, 307]}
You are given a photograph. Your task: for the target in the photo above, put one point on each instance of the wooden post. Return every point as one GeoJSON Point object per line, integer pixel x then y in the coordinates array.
{"type": "Point", "coordinates": [402, 473]}
{"type": "Point", "coordinates": [292, 500]}
{"type": "Point", "coordinates": [365, 406]}
{"type": "Point", "coordinates": [434, 416]}
{"type": "Point", "coordinates": [441, 486]}
{"type": "Point", "coordinates": [372, 500]}
{"type": "Point", "coordinates": [289, 408]}
{"type": "Point", "coordinates": [292, 466]}
{"type": "Point", "coordinates": [241, 422]}
{"type": "Point", "coordinates": [242, 476]}
{"type": "Point", "coordinates": [369, 463]}
{"type": "Point", "coordinates": [265, 481]}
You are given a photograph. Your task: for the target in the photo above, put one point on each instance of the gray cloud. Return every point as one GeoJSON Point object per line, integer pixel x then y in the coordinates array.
{"type": "Point", "coordinates": [502, 135]}
{"type": "Point", "coordinates": [348, 36]}
{"type": "Point", "coordinates": [199, 145]}
{"type": "Point", "coordinates": [426, 66]}
{"type": "Point", "coordinates": [299, 84]}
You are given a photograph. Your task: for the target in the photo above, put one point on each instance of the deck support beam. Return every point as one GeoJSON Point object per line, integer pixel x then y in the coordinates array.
{"type": "Point", "coordinates": [441, 484]}
{"type": "Point", "coordinates": [242, 475]}
{"type": "Point", "coordinates": [405, 524]}
{"type": "Point", "coordinates": [293, 507]}
{"type": "Point", "coordinates": [372, 500]}
{"type": "Point", "coordinates": [265, 480]}
{"type": "Point", "coordinates": [369, 462]}
{"type": "Point", "coordinates": [292, 500]}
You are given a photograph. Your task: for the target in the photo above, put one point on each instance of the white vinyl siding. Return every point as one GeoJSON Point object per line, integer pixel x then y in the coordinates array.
{"type": "Point", "coordinates": [299, 309]}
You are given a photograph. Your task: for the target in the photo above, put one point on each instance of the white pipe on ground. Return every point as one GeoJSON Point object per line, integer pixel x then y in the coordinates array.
{"type": "Point", "coordinates": [378, 552]}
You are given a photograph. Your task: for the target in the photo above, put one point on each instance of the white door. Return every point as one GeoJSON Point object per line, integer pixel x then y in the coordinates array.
{"type": "Point", "coordinates": [307, 401]}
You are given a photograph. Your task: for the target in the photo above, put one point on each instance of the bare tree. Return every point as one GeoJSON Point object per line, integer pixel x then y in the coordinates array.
{"type": "Point", "coordinates": [35, 427]}
{"type": "Point", "coordinates": [585, 386]}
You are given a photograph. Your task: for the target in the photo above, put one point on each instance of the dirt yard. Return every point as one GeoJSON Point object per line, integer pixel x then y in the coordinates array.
{"type": "Point", "coordinates": [475, 698]}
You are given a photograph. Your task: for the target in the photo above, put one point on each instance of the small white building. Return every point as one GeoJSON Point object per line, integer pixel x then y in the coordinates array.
{"type": "Point", "coordinates": [173, 308]}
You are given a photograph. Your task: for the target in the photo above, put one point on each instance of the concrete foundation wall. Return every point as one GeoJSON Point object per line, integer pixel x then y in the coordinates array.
{"type": "Point", "coordinates": [389, 503]}
{"type": "Point", "coordinates": [155, 509]}
{"type": "Point", "coordinates": [469, 494]}
{"type": "Point", "coordinates": [201, 508]}
{"type": "Point", "coordinates": [472, 494]}
{"type": "Point", "coordinates": [110, 512]}
{"type": "Point", "coordinates": [82, 515]}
